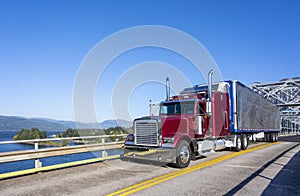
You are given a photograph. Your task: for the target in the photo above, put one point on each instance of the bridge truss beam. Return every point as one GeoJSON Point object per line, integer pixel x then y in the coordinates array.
{"type": "Point", "coordinates": [286, 95]}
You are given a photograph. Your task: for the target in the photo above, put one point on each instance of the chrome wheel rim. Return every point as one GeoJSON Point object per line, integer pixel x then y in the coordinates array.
{"type": "Point", "coordinates": [239, 143]}
{"type": "Point", "coordinates": [245, 141]}
{"type": "Point", "coordinates": [184, 154]}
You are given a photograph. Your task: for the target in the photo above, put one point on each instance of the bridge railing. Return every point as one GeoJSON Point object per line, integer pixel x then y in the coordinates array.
{"type": "Point", "coordinates": [38, 153]}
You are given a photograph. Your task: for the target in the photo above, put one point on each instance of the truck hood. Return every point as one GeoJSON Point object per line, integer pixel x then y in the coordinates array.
{"type": "Point", "coordinates": [174, 124]}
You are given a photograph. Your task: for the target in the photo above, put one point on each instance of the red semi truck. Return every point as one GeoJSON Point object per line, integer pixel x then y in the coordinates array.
{"type": "Point", "coordinates": [200, 120]}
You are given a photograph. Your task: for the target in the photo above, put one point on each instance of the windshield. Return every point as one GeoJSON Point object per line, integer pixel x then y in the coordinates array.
{"type": "Point", "coordinates": [177, 108]}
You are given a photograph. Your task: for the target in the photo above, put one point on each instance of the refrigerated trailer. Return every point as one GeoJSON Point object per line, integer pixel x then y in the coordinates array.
{"type": "Point", "coordinates": [200, 120]}
{"type": "Point", "coordinates": [251, 113]}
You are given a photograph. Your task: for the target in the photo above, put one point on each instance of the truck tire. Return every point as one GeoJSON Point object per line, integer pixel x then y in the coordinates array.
{"type": "Point", "coordinates": [238, 143]}
{"type": "Point", "coordinates": [276, 137]}
{"type": "Point", "coordinates": [183, 154]}
{"type": "Point", "coordinates": [245, 142]}
{"type": "Point", "coordinates": [272, 137]}
{"type": "Point", "coordinates": [267, 137]}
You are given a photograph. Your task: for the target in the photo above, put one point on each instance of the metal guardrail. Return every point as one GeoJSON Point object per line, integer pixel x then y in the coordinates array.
{"type": "Point", "coordinates": [37, 153]}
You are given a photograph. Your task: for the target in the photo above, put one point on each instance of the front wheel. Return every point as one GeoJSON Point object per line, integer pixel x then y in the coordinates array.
{"type": "Point", "coordinates": [183, 154]}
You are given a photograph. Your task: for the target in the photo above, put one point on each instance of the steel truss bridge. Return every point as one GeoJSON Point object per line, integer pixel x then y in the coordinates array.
{"type": "Point", "coordinates": [286, 95]}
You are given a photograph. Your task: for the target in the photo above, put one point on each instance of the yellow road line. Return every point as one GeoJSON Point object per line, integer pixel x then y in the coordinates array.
{"type": "Point", "coordinates": [157, 180]}
{"type": "Point", "coordinates": [53, 167]}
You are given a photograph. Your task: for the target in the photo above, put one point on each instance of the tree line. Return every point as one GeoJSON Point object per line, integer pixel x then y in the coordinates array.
{"type": "Point", "coordinates": [97, 132]}
{"type": "Point", "coordinates": [28, 134]}
{"type": "Point", "coordinates": [35, 133]}
{"type": "Point", "coordinates": [94, 132]}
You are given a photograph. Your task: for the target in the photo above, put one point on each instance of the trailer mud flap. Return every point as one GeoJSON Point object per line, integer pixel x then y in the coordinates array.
{"type": "Point", "coordinates": [157, 157]}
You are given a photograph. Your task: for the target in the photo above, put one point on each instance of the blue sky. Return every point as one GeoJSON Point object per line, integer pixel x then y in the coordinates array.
{"type": "Point", "coordinates": [43, 43]}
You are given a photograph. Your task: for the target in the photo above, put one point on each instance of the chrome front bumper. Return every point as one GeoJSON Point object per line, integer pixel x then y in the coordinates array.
{"type": "Point", "coordinates": [145, 155]}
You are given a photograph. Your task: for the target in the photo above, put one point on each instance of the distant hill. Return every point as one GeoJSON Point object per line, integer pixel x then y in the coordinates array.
{"type": "Point", "coordinates": [18, 123]}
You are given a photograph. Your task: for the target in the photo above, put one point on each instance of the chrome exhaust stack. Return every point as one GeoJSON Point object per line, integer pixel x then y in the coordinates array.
{"type": "Point", "coordinates": [209, 100]}
{"type": "Point", "coordinates": [209, 103]}
{"type": "Point", "coordinates": [168, 89]}
{"type": "Point", "coordinates": [211, 72]}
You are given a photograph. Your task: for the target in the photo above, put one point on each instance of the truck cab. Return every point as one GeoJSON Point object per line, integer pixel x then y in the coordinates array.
{"type": "Point", "coordinates": [178, 133]}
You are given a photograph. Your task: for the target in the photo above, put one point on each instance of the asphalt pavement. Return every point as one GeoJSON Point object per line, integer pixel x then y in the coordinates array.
{"type": "Point", "coordinates": [273, 170]}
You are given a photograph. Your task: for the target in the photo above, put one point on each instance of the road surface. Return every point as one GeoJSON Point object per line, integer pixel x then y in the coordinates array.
{"type": "Point", "coordinates": [271, 170]}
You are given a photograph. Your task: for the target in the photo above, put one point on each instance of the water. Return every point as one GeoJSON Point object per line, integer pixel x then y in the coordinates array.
{"type": "Point", "coordinates": [29, 164]}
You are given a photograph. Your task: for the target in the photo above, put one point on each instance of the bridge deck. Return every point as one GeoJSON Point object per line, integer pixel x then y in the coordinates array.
{"type": "Point", "coordinates": [257, 171]}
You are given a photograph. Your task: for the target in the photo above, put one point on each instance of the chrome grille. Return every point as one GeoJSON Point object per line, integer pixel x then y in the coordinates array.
{"type": "Point", "coordinates": [146, 132]}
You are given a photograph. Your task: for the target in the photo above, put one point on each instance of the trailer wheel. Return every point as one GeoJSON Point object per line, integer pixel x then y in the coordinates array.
{"type": "Point", "coordinates": [238, 143]}
{"type": "Point", "coordinates": [245, 142]}
{"type": "Point", "coordinates": [183, 154]}
{"type": "Point", "coordinates": [272, 137]}
{"type": "Point", "coordinates": [267, 137]}
{"type": "Point", "coordinates": [276, 137]}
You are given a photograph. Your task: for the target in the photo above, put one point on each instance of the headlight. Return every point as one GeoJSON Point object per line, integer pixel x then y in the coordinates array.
{"type": "Point", "coordinates": [130, 138]}
{"type": "Point", "coordinates": [168, 140]}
